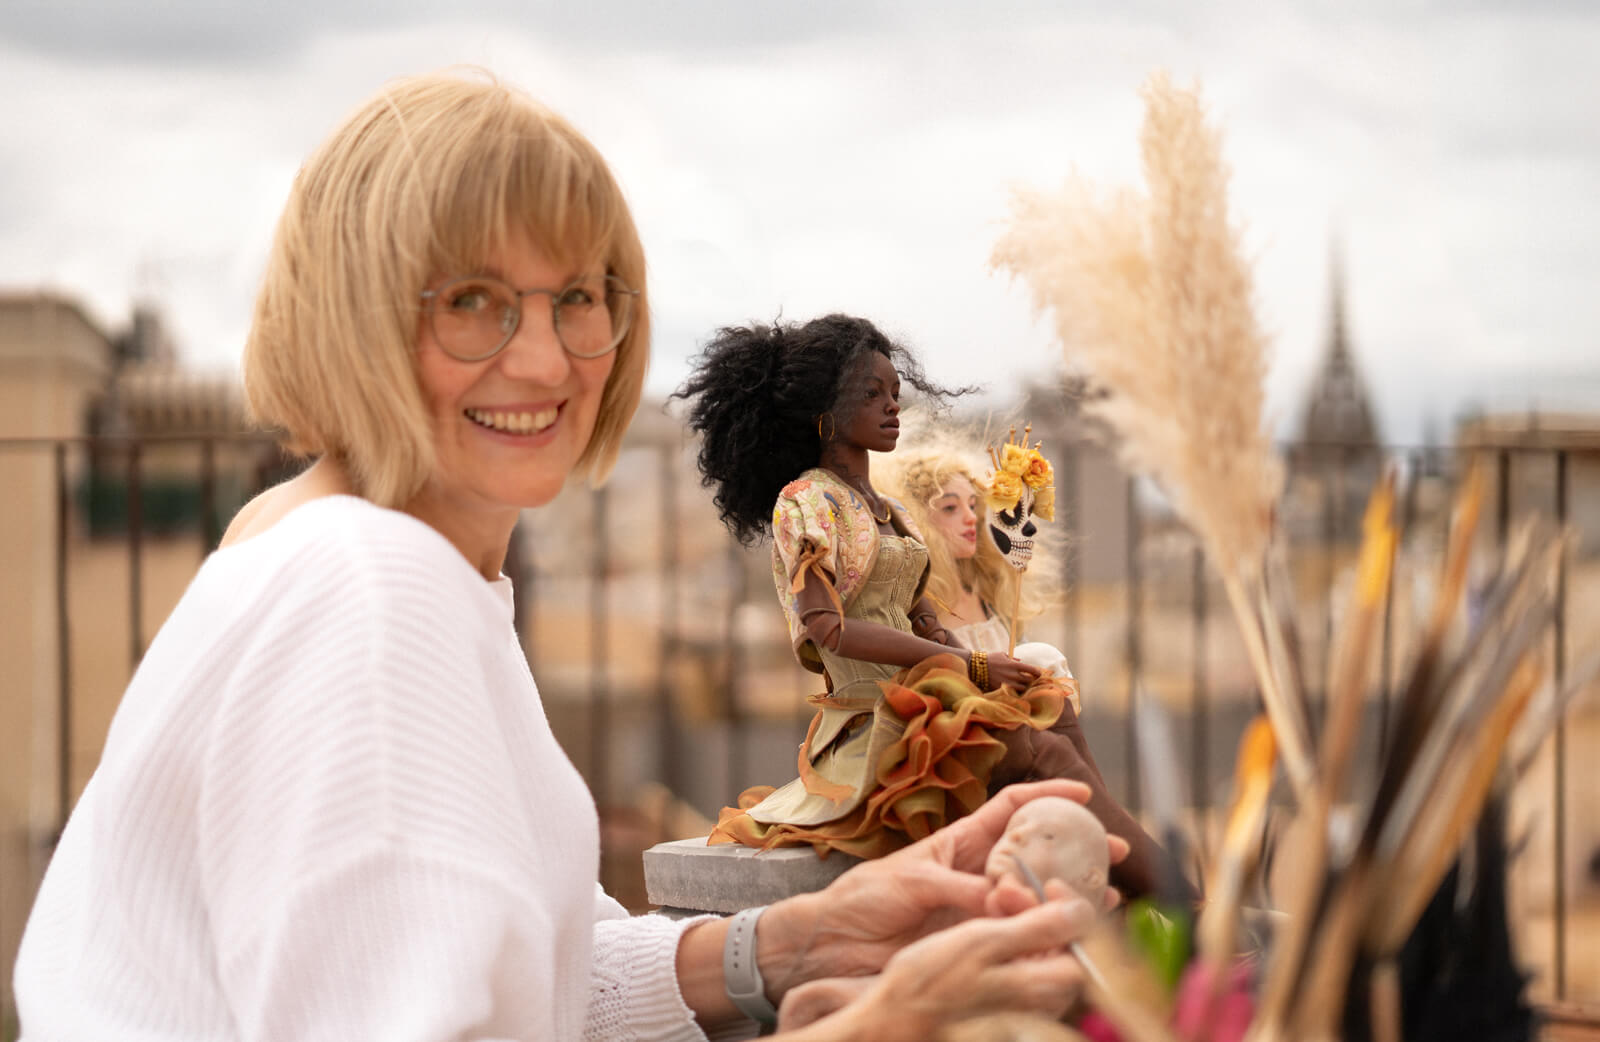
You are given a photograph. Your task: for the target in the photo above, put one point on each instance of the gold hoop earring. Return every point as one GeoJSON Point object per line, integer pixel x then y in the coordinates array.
{"type": "Point", "coordinates": [831, 429]}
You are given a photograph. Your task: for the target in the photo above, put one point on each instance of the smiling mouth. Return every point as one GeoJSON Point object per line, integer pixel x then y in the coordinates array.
{"type": "Point", "coordinates": [513, 422]}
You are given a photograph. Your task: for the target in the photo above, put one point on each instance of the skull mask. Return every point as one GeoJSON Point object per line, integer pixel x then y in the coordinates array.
{"type": "Point", "coordinates": [1013, 530]}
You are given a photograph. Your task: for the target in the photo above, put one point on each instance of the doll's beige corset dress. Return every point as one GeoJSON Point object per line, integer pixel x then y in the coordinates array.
{"type": "Point", "coordinates": [892, 753]}
{"type": "Point", "coordinates": [857, 727]}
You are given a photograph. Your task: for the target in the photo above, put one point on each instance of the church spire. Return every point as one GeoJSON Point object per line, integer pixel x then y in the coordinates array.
{"type": "Point", "coordinates": [1338, 411]}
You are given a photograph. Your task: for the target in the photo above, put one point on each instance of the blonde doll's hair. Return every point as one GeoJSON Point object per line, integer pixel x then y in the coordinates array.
{"type": "Point", "coordinates": [918, 478]}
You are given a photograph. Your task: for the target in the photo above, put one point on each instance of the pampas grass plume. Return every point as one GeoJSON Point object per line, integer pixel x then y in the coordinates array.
{"type": "Point", "coordinates": [1152, 299]}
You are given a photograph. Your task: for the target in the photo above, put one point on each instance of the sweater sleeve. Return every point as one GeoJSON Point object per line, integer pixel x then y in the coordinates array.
{"type": "Point", "coordinates": [389, 848]}
{"type": "Point", "coordinates": [633, 989]}
{"type": "Point", "coordinates": [395, 945]}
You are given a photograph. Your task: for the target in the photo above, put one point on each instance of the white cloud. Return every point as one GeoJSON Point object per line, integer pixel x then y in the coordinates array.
{"type": "Point", "coordinates": [866, 167]}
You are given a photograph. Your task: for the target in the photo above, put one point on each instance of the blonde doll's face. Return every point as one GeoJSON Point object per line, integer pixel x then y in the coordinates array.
{"type": "Point", "coordinates": [955, 516]}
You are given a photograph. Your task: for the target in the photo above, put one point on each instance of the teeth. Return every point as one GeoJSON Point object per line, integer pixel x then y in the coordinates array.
{"type": "Point", "coordinates": [513, 422]}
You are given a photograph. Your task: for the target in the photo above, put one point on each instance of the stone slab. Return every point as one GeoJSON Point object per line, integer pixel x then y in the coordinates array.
{"type": "Point", "coordinates": [688, 876]}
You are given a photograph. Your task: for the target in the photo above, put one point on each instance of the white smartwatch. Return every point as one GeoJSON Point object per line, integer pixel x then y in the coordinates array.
{"type": "Point", "coordinates": [742, 977]}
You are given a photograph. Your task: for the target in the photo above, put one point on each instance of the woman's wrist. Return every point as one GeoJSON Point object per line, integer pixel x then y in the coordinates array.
{"type": "Point", "coordinates": [783, 941]}
{"type": "Point", "coordinates": [799, 941]}
{"type": "Point", "coordinates": [784, 944]}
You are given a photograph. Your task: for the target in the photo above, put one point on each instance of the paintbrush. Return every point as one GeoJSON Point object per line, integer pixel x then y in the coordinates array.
{"type": "Point", "coordinates": [1241, 845]}
{"type": "Point", "coordinates": [1134, 1019]}
{"type": "Point", "coordinates": [1031, 878]}
{"type": "Point", "coordinates": [1463, 701]}
{"type": "Point", "coordinates": [1352, 660]}
{"type": "Point", "coordinates": [1158, 770]}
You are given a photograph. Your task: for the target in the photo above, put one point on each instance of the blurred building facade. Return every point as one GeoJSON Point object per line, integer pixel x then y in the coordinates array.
{"type": "Point", "coordinates": [100, 436]}
{"type": "Point", "coordinates": [55, 362]}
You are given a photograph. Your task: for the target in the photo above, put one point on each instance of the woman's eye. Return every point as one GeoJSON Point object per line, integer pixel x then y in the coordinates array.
{"type": "Point", "coordinates": [577, 297]}
{"type": "Point", "coordinates": [470, 299]}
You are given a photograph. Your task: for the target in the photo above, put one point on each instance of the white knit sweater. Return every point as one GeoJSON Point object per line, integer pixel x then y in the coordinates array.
{"type": "Point", "coordinates": [330, 807]}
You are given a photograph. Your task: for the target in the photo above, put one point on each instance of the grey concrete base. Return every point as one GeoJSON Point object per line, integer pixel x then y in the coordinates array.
{"type": "Point", "coordinates": [686, 876]}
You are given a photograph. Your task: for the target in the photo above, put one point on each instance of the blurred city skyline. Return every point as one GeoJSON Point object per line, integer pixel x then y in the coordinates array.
{"type": "Point", "coordinates": [797, 159]}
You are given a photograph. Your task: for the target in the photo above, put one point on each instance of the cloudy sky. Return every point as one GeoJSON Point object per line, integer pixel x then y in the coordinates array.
{"type": "Point", "coordinates": [817, 156]}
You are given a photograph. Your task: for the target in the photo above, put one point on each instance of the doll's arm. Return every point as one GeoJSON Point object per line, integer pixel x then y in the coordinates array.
{"type": "Point", "coordinates": [925, 623]}
{"type": "Point", "coordinates": [826, 627]}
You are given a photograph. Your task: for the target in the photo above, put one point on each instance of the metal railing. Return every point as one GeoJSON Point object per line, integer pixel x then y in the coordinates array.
{"type": "Point", "coordinates": [704, 591]}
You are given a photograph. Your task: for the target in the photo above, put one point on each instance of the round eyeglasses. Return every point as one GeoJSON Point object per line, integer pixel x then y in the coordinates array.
{"type": "Point", "coordinates": [474, 317]}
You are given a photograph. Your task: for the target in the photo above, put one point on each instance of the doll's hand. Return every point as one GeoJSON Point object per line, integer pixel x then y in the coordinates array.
{"type": "Point", "coordinates": [1015, 674]}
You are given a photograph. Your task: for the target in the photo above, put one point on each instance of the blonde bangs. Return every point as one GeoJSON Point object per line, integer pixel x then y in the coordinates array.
{"type": "Point", "coordinates": [518, 168]}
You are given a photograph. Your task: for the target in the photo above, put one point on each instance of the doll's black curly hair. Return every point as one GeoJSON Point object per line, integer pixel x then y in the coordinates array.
{"type": "Point", "coordinates": [756, 396]}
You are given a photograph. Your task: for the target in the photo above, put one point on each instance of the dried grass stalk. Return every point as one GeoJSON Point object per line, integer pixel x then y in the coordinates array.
{"type": "Point", "coordinates": [1153, 300]}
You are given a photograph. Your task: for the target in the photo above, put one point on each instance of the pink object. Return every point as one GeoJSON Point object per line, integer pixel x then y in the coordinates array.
{"type": "Point", "coordinates": [1207, 1015]}
{"type": "Point", "coordinates": [1096, 1028]}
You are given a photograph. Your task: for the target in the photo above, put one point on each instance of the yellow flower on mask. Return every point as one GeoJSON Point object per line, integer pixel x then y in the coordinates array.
{"type": "Point", "coordinates": [1037, 472]}
{"type": "Point", "coordinates": [1044, 503]}
{"type": "Point", "coordinates": [1005, 488]}
{"type": "Point", "coordinates": [1018, 465]}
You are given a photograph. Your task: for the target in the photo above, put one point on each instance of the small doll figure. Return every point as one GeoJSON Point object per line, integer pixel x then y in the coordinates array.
{"type": "Point", "coordinates": [1055, 838]}
{"type": "Point", "coordinates": [907, 729]}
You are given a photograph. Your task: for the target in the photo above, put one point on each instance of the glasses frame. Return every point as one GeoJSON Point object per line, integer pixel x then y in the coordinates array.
{"type": "Point", "coordinates": [614, 284]}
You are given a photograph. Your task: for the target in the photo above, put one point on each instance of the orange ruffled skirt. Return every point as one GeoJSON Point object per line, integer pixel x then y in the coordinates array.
{"type": "Point", "coordinates": [936, 771]}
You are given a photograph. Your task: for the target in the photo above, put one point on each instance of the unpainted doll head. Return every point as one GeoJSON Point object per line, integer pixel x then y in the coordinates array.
{"type": "Point", "coordinates": [1056, 838]}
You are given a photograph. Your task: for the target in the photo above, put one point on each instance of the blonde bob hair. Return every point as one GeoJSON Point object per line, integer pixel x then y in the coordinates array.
{"type": "Point", "coordinates": [428, 178]}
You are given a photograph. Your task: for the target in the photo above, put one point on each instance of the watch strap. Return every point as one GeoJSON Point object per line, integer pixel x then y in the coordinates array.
{"type": "Point", "coordinates": [742, 977]}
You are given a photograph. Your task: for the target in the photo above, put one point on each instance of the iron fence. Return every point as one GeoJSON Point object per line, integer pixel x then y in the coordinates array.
{"type": "Point", "coordinates": [657, 649]}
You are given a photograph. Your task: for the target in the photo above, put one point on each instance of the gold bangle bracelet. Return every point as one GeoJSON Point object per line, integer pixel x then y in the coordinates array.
{"type": "Point", "coordinates": [978, 669]}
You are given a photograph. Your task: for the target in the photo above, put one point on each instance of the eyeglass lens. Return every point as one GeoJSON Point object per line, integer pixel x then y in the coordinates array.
{"type": "Point", "coordinates": [475, 317]}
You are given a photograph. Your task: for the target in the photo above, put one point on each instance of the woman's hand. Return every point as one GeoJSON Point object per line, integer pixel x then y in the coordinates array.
{"type": "Point", "coordinates": [857, 924]}
{"type": "Point", "coordinates": [1016, 674]}
{"type": "Point", "coordinates": [979, 966]}
{"type": "Point", "coordinates": [815, 999]}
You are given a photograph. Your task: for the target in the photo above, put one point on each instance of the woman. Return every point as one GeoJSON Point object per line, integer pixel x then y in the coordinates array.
{"type": "Point", "coordinates": [787, 416]}
{"type": "Point", "coordinates": [330, 804]}
{"type": "Point", "coordinates": [970, 581]}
